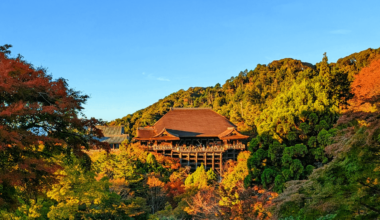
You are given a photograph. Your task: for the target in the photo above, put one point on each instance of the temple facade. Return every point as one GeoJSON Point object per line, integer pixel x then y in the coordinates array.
{"type": "Point", "coordinates": [195, 136]}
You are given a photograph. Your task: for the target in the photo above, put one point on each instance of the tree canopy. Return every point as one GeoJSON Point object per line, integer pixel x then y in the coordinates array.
{"type": "Point", "coordinates": [40, 117]}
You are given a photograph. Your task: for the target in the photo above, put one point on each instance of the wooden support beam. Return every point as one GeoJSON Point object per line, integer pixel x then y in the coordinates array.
{"type": "Point", "coordinates": [213, 160]}
{"type": "Point", "coordinates": [205, 159]}
{"type": "Point", "coordinates": [221, 163]}
{"type": "Point", "coordinates": [188, 159]}
{"type": "Point", "coordinates": [196, 159]}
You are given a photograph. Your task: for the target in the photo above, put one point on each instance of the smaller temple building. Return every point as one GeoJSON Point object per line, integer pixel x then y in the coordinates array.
{"type": "Point", "coordinates": [195, 136]}
{"type": "Point", "coordinates": [113, 135]}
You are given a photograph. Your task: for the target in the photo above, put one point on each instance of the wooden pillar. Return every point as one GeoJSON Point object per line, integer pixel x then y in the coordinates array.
{"type": "Point", "coordinates": [188, 159]}
{"type": "Point", "coordinates": [221, 163]}
{"type": "Point", "coordinates": [205, 159]}
{"type": "Point", "coordinates": [180, 158]}
{"type": "Point", "coordinates": [213, 160]}
{"type": "Point", "coordinates": [196, 159]}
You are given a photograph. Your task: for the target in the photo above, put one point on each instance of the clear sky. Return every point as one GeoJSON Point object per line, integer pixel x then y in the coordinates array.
{"type": "Point", "coordinates": [129, 54]}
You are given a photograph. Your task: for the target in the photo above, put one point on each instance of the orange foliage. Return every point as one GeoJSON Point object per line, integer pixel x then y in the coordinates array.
{"type": "Point", "coordinates": [175, 188]}
{"type": "Point", "coordinates": [156, 192]}
{"type": "Point", "coordinates": [205, 204]}
{"type": "Point", "coordinates": [167, 162]}
{"type": "Point", "coordinates": [154, 182]}
{"type": "Point", "coordinates": [121, 187]}
{"type": "Point", "coordinates": [366, 86]}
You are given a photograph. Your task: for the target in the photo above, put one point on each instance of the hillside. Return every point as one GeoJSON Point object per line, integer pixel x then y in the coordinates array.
{"type": "Point", "coordinates": [242, 98]}
{"type": "Point", "coordinates": [313, 152]}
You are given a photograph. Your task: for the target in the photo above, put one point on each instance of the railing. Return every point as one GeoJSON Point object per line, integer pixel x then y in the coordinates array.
{"type": "Point", "coordinates": [217, 148]}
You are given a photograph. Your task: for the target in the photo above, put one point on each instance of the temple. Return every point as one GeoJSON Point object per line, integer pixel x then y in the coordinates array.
{"type": "Point", "coordinates": [113, 135]}
{"type": "Point", "coordinates": [195, 136]}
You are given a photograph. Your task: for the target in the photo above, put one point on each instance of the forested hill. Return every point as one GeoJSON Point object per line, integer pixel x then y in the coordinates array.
{"type": "Point", "coordinates": [313, 153]}
{"type": "Point", "coordinates": [242, 98]}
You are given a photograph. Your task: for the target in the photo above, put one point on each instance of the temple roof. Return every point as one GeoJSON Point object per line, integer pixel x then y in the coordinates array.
{"type": "Point", "coordinates": [186, 122]}
{"type": "Point", "coordinates": [114, 139]}
{"type": "Point", "coordinates": [231, 133]}
{"type": "Point", "coordinates": [113, 134]}
{"type": "Point", "coordinates": [145, 132]}
{"type": "Point", "coordinates": [111, 130]}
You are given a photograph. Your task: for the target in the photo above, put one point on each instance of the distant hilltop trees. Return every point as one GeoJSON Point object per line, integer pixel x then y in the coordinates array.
{"type": "Point", "coordinates": [242, 98]}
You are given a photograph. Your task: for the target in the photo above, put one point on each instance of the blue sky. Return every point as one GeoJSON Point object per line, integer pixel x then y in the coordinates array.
{"type": "Point", "coordinates": [129, 54]}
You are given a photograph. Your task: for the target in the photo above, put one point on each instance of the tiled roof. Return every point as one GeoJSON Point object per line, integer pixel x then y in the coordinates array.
{"type": "Point", "coordinates": [112, 130]}
{"type": "Point", "coordinates": [114, 139]}
{"type": "Point", "coordinates": [189, 122]}
{"type": "Point", "coordinates": [193, 122]}
{"type": "Point", "coordinates": [113, 134]}
{"type": "Point", "coordinates": [145, 132]}
{"type": "Point", "coordinates": [227, 132]}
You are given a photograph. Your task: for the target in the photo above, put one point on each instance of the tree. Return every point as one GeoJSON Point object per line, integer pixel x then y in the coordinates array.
{"type": "Point", "coordinates": [236, 173]}
{"type": "Point", "coordinates": [204, 204]}
{"type": "Point", "coordinates": [348, 186]}
{"type": "Point", "coordinates": [199, 178]}
{"type": "Point", "coordinates": [156, 193]}
{"type": "Point", "coordinates": [39, 118]}
{"type": "Point", "coordinates": [245, 203]}
{"type": "Point", "coordinates": [366, 85]}
{"type": "Point", "coordinates": [293, 133]}
{"type": "Point", "coordinates": [79, 195]}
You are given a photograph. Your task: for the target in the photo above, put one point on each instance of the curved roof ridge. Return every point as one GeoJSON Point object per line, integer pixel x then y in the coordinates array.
{"type": "Point", "coordinates": [231, 130]}
{"type": "Point", "coordinates": [190, 108]}
{"type": "Point", "coordinates": [163, 130]}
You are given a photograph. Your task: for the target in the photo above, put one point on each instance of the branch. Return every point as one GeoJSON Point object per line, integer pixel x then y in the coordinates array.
{"type": "Point", "coordinates": [369, 207]}
{"type": "Point", "coordinates": [376, 190]}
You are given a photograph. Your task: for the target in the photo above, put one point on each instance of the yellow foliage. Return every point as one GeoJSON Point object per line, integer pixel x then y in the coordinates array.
{"type": "Point", "coordinates": [238, 172]}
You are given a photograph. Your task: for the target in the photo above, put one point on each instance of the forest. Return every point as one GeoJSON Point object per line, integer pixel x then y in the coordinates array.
{"type": "Point", "coordinates": [313, 151]}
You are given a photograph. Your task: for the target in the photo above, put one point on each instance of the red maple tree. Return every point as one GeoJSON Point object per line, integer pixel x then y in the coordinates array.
{"type": "Point", "coordinates": [366, 85]}
{"type": "Point", "coordinates": [39, 117]}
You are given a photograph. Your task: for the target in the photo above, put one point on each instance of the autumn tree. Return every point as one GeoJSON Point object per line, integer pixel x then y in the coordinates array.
{"type": "Point", "coordinates": [246, 203]}
{"type": "Point", "coordinates": [235, 172]}
{"type": "Point", "coordinates": [200, 178]}
{"type": "Point", "coordinates": [205, 204]}
{"type": "Point", "coordinates": [156, 193]}
{"type": "Point", "coordinates": [366, 85]}
{"type": "Point", "coordinates": [40, 117]}
{"type": "Point", "coordinates": [78, 194]}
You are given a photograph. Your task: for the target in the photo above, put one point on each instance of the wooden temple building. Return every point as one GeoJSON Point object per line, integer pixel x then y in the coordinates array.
{"type": "Point", "coordinates": [113, 135]}
{"type": "Point", "coordinates": [195, 136]}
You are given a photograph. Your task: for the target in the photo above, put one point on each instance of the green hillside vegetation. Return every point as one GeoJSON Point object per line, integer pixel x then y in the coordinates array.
{"type": "Point", "coordinates": [289, 108]}
{"type": "Point", "coordinates": [242, 98]}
